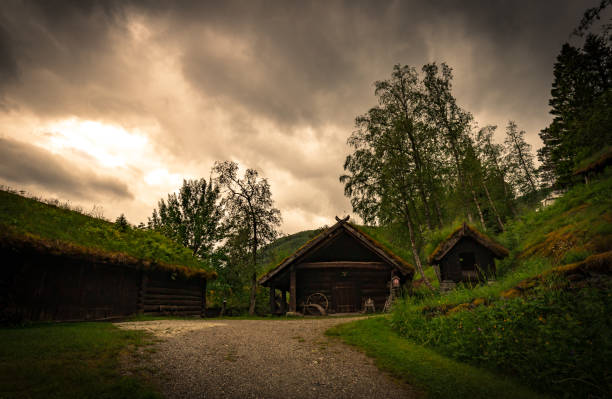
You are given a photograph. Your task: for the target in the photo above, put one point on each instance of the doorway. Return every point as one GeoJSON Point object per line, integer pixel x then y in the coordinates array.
{"type": "Point", "coordinates": [347, 297]}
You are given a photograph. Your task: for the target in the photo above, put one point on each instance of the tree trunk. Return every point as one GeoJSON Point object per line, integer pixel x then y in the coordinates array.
{"type": "Point", "coordinates": [525, 168]}
{"type": "Point", "coordinates": [415, 252]}
{"type": "Point", "coordinates": [254, 277]}
{"type": "Point", "coordinates": [482, 222]}
{"type": "Point", "coordinates": [501, 225]}
{"type": "Point", "coordinates": [438, 213]}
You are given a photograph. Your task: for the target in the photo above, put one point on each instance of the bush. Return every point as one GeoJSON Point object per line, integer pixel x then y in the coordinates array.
{"type": "Point", "coordinates": [557, 341]}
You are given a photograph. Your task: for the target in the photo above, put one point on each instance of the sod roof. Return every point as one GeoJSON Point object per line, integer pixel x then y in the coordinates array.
{"type": "Point", "coordinates": [466, 231]}
{"type": "Point", "coordinates": [401, 265]}
{"type": "Point", "coordinates": [31, 226]}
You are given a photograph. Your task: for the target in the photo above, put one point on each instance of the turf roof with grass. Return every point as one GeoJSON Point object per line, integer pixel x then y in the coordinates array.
{"type": "Point", "coordinates": [308, 240]}
{"type": "Point", "coordinates": [30, 225]}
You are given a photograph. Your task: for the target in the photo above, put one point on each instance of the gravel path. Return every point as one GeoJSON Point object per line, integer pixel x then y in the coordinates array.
{"type": "Point", "coordinates": [263, 359]}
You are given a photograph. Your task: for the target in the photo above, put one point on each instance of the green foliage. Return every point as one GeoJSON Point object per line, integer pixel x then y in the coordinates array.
{"type": "Point", "coordinates": [423, 368]}
{"type": "Point", "coordinates": [27, 216]}
{"type": "Point", "coordinates": [192, 218]}
{"type": "Point", "coordinates": [252, 221]}
{"type": "Point", "coordinates": [578, 222]}
{"type": "Point", "coordinates": [121, 223]}
{"type": "Point", "coordinates": [556, 341]}
{"type": "Point", "coordinates": [275, 252]}
{"type": "Point", "coordinates": [77, 360]}
{"type": "Point", "coordinates": [581, 100]}
{"type": "Point", "coordinates": [394, 237]}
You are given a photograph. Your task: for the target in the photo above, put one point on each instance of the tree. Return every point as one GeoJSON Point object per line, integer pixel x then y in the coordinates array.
{"type": "Point", "coordinates": [581, 99]}
{"type": "Point", "coordinates": [121, 223]}
{"type": "Point", "coordinates": [519, 160]}
{"type": "Point", "coordinates": [250, 208]}
{"type": "Point", "coordinates": [191, 218]}
{"type": "Point", "coordinates": [387, 165]}
{"type": "Point", "coordinates": [452, 124]}
{"type": "Point", "coordinates": [495, 174]}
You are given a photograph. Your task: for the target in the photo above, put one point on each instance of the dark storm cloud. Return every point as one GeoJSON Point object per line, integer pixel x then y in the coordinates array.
{"type": "Point", "coordinates": [313, 63]}
{"type": "Point", "coordinates": [273, 85]}
{"type": "Point", "coordinates": [22, 163]}
{"type": "Point", "coordinates": [295, 63]}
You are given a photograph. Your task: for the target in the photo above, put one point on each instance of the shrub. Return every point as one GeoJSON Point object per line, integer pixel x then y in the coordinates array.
{"type": "Point", "coordinates": [555, 340]}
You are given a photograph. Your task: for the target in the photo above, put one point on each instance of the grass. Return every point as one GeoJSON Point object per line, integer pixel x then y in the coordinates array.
{"type": "Point", "coordinates": [436, 375]}
{"type": "Point", "coordinates": [274, 253]}
{"type": "Point", "coordinates": [21, 216]}
{"type": "Point", "coordinates": [77, 360]}
{"type": "Point", "coordinates": [556, 335]}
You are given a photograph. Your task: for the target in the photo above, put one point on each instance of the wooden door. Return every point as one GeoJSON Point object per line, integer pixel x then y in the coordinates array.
{"type": "Point", "coordinates": [347, 298]}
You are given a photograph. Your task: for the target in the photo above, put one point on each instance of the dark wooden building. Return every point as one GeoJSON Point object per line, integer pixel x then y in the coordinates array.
{"type": "Point", "coordinates": [466, 256]}
{"type": "Point", "coordinates": [50, 280]}
{"type": "Point", "coordinates": [339, 270]}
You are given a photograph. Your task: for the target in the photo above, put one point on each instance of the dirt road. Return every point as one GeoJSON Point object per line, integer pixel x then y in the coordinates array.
{"type": "Point", "coordinates": [263, 359]}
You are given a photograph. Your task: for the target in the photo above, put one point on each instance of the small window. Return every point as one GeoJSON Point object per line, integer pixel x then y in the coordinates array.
{"type": "Point", "coordinates": [467, 261]}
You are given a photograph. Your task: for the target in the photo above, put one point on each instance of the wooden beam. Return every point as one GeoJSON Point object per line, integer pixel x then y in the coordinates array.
{"type": "Point", "coordinates": [283, 306]}
{"type": "Point", "coordinates": [142, 292]}
{"type": "Point", "coordinates": [292, 293]}
{"type": "Point", "coordinates": [272, 300]}
{"type": "Point", "coordinates": [346, 265]}
{"type": "Point", "coordinates": [203, 311]}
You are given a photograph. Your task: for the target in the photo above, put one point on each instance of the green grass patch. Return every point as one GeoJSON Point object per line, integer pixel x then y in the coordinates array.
{"type": "Point", "coordinates": [20, 215]}
{"type": "Point", "coordinates": [556, 339]}
{"type": "Point", "coordinates": [77, 360]}
{"type": "Point", "coordinates": [438, 376]}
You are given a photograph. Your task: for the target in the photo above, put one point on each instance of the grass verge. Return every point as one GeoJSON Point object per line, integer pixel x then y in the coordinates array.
{"type": "Point", "coordinates": [76, 360]}
{"type": "Point", "coordinates": [436, 375]}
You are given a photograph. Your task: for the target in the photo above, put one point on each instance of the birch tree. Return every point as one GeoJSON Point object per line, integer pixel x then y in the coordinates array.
{"type": "Point", "coordinates": [249, 207]}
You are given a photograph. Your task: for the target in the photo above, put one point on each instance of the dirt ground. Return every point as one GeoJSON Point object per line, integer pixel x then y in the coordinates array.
{"type": "Point", "coordinates": [261, 359]}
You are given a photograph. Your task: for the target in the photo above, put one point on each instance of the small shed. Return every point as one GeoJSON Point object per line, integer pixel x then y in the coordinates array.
{"type": "Point", "coordinates": [342, 267]}
{"type": "Point", "coordinates": [466, 256]}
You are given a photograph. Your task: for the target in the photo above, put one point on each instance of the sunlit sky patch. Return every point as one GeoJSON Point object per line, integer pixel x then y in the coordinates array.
{"type": "Point", "coordinates": [124, 101]}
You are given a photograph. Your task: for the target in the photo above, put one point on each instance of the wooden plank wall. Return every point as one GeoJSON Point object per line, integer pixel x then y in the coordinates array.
{"type": "Point", "coordinates": [368, 284]}
{"type": "Point", "coordinates": [48, 287]}
{"type": "Point", "coordinates": [178, 296]}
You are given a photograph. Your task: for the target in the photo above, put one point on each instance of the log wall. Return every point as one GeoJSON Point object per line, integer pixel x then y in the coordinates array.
{"type": "Point", "coordinates": [41, 287]}
{"type": "Point", "coordinates": [335, 282]}
{"type": "Point", "coordinates": [450, 265]}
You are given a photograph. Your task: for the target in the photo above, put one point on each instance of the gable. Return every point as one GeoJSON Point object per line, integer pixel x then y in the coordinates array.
{"type": "Point", "coordinates": [344, 247]}
{"type": "Point", "coordinates": [342, 242]}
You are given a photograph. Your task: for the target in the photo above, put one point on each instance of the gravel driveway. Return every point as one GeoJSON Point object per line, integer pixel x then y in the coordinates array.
{"type": "Point", "coordinates": [263, 359]}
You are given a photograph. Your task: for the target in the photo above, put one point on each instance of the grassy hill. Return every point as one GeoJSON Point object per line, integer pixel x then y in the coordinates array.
{"type": "Point", "coordinates": [275, 252]}
{"type": "Point", "coordinates": [545, 323]}
{"type": "Point", "coordinates": [56, 228]}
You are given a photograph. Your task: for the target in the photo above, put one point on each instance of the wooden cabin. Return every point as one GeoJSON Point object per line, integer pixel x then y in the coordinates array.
{"type": "Point", "coordinates": [338, 270]}
{"type": "Point", "coordinates": [466, 256]}
{"type": "Point", "coordinates": [44, 280]}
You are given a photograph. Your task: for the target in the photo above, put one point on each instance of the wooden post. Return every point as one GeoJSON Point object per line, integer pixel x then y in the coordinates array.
{"type": "Point", "coordinates": [272, 300]}
{"type": "Point", "coordinates": [203, 310]}
{"type": "Point", "coordinates": [142, 292]}
{"type": "Point", "coordinates": [283, 305]}
{"type": "Point", "coordinates": [292, 291]}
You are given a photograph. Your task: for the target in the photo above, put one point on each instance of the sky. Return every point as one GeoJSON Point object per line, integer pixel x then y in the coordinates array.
{"type": "Point", "coordinates": [113, 103]}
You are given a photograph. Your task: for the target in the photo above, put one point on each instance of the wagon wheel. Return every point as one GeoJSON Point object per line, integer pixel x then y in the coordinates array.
{"type": "Point", "coordinates": [317, 301]}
